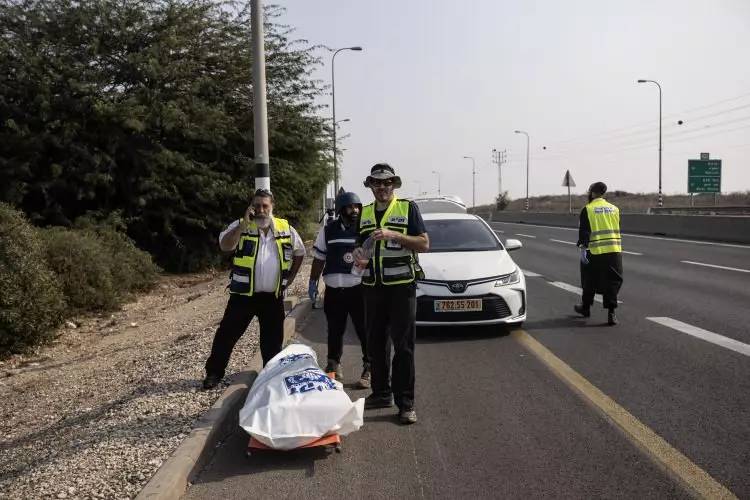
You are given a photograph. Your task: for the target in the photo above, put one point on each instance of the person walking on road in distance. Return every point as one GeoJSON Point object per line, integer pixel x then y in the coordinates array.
{"type": "Point", "coordinates": [268, 252]}
{"type": "Point", "coordinates": [601, 252]}
{"type": "Point", "coordinates": [332, 253]}
{"type": "Point", "coordinates": [388, 276]}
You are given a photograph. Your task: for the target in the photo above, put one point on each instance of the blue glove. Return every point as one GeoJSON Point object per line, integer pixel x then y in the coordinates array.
{"type": "Point", "coordinates": [584, 257]}
{"type": "Point", "coordinates": [312, 290]}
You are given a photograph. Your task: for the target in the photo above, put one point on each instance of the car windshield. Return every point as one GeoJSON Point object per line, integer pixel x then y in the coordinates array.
{"type": "Point", "coordinates": [460, 235]}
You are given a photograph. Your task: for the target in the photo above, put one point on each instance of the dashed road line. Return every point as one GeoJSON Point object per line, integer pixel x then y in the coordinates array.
{"type": "Point", "coordinates": [700, 333]}
{"type": "Point", "coordinates": [680, 467]}
{"type": "Point", "coordinates": [530, 274]}
{"type": "Point", "coordinates": [576, 290]}
{"type": "Point", "coordinates": [631, 253]}
{"type": "Point", "coordinates": [715, 266]}
{"type": "Point", "coordinates": [526, 235]}
{"type": "Point", "coordinates": [563, 241]}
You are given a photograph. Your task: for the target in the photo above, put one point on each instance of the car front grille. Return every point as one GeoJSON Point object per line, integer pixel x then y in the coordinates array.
{"type": "Point", "coordinates": [493, 307]}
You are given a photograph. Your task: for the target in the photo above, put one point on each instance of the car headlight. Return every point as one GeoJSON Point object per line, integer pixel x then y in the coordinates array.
{"type": "Point", "coordinates": [509, 279]}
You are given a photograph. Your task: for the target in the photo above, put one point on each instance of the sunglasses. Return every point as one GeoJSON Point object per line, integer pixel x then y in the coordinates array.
{"type": "Point", "coordinates": [381, 183]}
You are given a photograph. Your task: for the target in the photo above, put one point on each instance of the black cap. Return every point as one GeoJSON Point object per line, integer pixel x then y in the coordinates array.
{"type": "Point", "coordinates": [598, 187]}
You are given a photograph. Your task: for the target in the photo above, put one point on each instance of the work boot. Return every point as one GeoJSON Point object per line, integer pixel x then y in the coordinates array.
{"type": "Point", "coordinates": [583, 310]}
{"type": "Point", "coordinates": [211, 381]}
{"type": "Point", "coordinates": [334, 366]}
{"type": "Point", "coordinates": [611, 318]}
{"type": "Point", "coordinates": [364, 379]}
{"type": "Point", "coordinates": [407, 416]}
{"type": "Point", "coordinates": [378, 401]}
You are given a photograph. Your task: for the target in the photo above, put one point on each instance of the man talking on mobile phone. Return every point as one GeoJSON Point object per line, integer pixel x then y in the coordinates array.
{"type": "Point", "coordinates": [268, 252]}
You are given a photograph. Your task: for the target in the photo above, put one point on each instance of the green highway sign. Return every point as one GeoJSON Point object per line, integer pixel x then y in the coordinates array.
{"type": "Point", "coordinates": [704, 176]}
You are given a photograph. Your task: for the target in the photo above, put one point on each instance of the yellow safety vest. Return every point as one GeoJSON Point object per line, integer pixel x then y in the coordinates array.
{"type": "Point", "coordinates": [243, 263]}
{"type": "Point", "coordinates": [391, 264]}
{"type": "Point", "coordinates": [604, 219]}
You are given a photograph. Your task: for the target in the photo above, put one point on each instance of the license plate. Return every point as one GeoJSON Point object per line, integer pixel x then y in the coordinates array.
{"type": "Point", "coordinates": [460, 305]}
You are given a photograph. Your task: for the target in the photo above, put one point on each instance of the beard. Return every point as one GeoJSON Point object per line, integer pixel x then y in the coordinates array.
{"type": "Point", "coordinates": [262, 221]}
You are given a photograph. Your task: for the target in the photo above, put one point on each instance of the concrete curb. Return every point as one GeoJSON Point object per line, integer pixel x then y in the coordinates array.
{"type": "Point", "coordinates": [172, 479]}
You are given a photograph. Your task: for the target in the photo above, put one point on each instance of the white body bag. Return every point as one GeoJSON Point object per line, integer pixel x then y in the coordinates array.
{"type": "Point", "coordinates": [293, 402]}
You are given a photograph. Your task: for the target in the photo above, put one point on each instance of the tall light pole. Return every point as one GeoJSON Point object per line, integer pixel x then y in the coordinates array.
{"type": "Point", "coordinates": [438, 174]}
{"type": "Point", "coordinates": [660, 201]}
{"type": "Point", "coordinates": [333, 107]}
{"type": "Point", "coordinates": [527, 164]}
{"type": "Point", "coordinates": [473, 181]}
{"type": "Point", "coordinates": [260, 118]}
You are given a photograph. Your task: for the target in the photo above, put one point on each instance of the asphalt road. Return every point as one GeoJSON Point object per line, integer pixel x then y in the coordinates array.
{"type": "Point", "coordinates": [495, 421]}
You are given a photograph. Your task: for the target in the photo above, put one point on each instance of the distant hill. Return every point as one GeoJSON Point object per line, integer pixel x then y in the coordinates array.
{"type": "Point", "coordinates": [627, 202]}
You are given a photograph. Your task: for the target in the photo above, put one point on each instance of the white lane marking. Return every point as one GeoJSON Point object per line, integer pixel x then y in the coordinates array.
{"type": "Point", "coordinates": [526, 235]}
{"type": "Point", "coordinates": [702, 334]}
{"type": "Point", "coordinates": [499, 231]}
{"type": "Point", "coordinates": [731, 245]}
{"type": "Point", "coordinates": [562, 241]}
{"type": "Point", "coordinates": [572, 243]}
{"type": "Point", "coordinates": [531, 274]}
{"type": "Point", "coordinates": [576, 290]}
{"type": "Point", "coordinates": [714, 265]}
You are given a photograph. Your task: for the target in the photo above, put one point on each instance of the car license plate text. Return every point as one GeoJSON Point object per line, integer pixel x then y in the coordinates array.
{"type": "Point", "coordinates": [460, 305]}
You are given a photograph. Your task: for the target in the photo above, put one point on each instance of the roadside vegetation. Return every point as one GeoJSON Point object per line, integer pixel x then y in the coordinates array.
{"type": "Point", "coordinates": [126, 145]}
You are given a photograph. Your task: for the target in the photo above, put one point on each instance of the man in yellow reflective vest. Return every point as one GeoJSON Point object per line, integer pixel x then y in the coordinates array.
{"type": "Point", "coordinates": [389, 270]}
{"type": "Point", "coordinates": [601, 252]}
{"type": "Point", "coordinates": [268, 252]}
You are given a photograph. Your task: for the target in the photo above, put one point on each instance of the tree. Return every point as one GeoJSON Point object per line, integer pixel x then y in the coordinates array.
{"type": "Point", "coordinates": [144, 109]}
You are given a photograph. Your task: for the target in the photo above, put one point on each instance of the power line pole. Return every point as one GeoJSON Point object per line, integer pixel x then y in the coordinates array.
{"type": "Point", "coordinates": [499, 158]}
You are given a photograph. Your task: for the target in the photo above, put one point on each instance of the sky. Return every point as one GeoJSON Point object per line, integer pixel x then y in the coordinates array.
{"type": "Point", "coordinates": [439, 80]}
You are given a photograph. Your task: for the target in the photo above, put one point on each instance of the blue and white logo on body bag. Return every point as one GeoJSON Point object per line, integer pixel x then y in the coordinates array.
{"type": "Point", "coordinates": [308, 380]}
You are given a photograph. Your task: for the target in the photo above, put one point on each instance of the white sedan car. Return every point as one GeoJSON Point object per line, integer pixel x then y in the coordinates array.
{"type": "Point", "coordinates": [470, 279]}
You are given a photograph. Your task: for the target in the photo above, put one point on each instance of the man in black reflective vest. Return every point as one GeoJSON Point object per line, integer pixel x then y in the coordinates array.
{"type": "Point", "coordinates": [332, 252]}
{"type": "Point", "coordinates": [389, 272]}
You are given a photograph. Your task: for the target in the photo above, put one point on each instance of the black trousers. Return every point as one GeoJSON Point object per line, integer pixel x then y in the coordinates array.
{"type": "Point", "coordinates": [237, 316]}
{"type": "Point", "coordinates": [338, 305]}
{"type": "Point", "coordinates": [392, 311]}
{"type": "Point", "coordinates": [602, 274]}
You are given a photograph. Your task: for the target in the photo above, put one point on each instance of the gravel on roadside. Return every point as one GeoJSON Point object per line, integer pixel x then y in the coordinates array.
{"type": "Point", "coordinates": [95, 414]}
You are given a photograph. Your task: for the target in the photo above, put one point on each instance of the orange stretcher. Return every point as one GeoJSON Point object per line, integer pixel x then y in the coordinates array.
{"type": "Point", "coordinates": [330, 442]}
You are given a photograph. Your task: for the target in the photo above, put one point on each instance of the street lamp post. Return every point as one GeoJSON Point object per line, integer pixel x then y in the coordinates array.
{"type": "Point", "coordinates": [660, 201]}
{"type": "Point", "coordinates": [527, 164]}
{"type": "Point", "coordinates": [333, 107]}
{"type": "Point", "coordinates": [438, 174]}
{"type": "Point", "coordinates": [473, 181]}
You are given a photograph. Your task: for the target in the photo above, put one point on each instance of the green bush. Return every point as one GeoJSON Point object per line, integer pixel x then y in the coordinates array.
{"type": "Point", "coordinates": [31, 302]}
{"type": "Point", "coordinates": [133, 270]}
{"type": "Point", "coordinates": [82, 265]}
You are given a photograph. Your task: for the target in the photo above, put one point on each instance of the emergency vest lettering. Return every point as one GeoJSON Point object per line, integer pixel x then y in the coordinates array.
{"type": "Point", "coordinates": [604, 219]}
{"type": "Point", "coordinates": [391, 264]}
{"type": "Point", "coordinates": [243, 264]}
{"type": "Point", "coordinates": [340, 241]}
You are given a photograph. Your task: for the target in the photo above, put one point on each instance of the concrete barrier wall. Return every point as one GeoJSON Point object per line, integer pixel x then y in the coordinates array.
{"type": "Point", "coordinates": [695, 227]}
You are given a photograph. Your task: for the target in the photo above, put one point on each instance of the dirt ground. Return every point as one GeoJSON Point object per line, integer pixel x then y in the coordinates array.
{"type": "Point", "coordinates": [96, 413]}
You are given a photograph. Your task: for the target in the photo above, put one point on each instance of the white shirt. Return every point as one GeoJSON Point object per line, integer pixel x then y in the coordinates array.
{"type": "Point", "coordinates": [267, 265]}
{"type": "Point", "coordinates": [334, 280]}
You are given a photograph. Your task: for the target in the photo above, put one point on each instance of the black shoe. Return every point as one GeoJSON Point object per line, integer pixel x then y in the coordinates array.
{"type": "Point", "coordinates": [211, 381]}
{"type": "Point", "coordinates": [378, 401]}
{"type": "Point", "coordinates": [582, 310]}
{"type": "Point", "coordinates": [365, 378]}
{"type": "Point", "coordinates": [407, 416]}
{"type": "Point", "coordinates": [611, 318]}
{"type": "Point", "coordinates": [335, 368]}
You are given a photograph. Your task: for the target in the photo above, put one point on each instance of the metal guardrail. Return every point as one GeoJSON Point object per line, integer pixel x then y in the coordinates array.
{"type": "Point", "coordinates": [729, 210]}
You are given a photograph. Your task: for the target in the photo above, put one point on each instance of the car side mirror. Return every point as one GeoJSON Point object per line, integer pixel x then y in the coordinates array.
{"type": "Point", "coordinates": [511, 245]}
